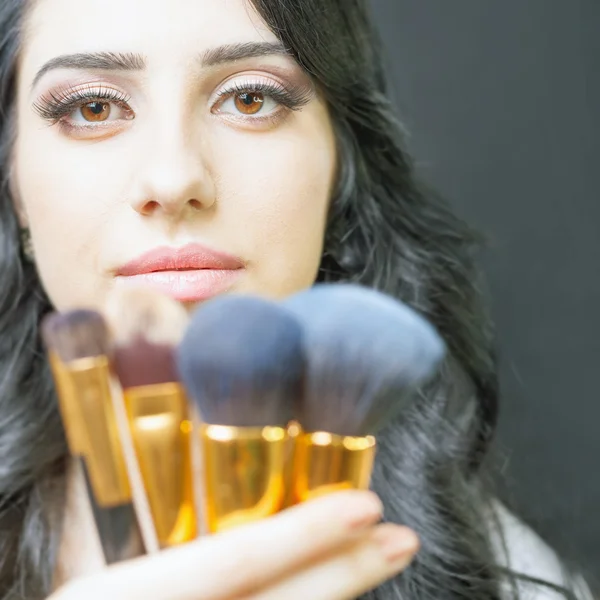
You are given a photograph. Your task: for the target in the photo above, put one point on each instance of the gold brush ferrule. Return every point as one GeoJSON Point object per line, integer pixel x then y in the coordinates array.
{"type": "Point", "coordinates": [294, 430]}
{"type": "Point", "coordinates": [326, 463]}
{"type": "Point", "coordinates": [161, 432]}
{"type": "Point", "coordinates": [87, 411]}
{"type": "Point", "coordinates": [244, 473]}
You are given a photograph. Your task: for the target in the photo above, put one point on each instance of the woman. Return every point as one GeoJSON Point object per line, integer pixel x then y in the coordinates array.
{"type": "Point", "coordinates": [258, 128]}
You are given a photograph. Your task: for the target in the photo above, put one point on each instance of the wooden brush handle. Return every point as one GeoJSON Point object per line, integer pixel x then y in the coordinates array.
{"type": "Point", "coordinates": [140, 500]}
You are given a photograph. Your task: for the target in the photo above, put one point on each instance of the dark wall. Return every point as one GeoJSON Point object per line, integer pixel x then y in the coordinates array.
{"type": "Point", "coordinates": [502, 101]}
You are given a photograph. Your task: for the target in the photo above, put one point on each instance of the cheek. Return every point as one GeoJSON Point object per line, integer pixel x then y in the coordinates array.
{"type": "Point", "coordinates": [64, 193]}
{"type": "Point", "coordinates": [274, 190]}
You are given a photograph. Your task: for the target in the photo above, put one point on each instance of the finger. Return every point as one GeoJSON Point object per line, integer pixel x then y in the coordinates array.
{"type": "Point", "coordinates": [240, 561]}
{"type": "Point", "coordinates": [348, 574]}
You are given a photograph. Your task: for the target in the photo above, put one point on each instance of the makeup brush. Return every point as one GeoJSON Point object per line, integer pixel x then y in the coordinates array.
{"type": "Point", "coordinates": [78, 347]}
{"type": "Point", "coordinates": [366, 355]}
{"type": "Point", "coordinates": [242, 363]}
{"type": "Point", "coordinates": [146, 328]}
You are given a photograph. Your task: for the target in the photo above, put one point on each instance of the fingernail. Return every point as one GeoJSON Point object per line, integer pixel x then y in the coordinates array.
{"type": "Point", "coordinates": [368, 513]}
{"type": "Point", "coordinates": [398, 544]}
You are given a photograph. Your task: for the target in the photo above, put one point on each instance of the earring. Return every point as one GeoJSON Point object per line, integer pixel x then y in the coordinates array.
{"type": "Point", "coordinates": [26, 244]}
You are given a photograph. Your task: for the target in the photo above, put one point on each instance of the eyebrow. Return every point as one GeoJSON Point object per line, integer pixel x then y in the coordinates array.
{"type": "Point", "coordinates": [232, 52]}
{"type": "Point", "coordinates": [107, 61]}
{"type": "Point", "coordinates": [129, 61]}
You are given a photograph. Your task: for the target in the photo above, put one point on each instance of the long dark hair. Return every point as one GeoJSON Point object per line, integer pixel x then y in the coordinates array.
{"type": "Point", "coordinates": [385, 231]}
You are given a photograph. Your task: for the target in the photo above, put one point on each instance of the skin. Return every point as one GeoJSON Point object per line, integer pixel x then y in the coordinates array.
{"type": "Point", "coordinates": [172, 166]}
{"type": "Point", "coordinates": [165, 163]}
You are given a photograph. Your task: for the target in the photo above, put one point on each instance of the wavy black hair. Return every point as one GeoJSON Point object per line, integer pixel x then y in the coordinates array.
{"type": "Point", "coordinates": [385, 231]}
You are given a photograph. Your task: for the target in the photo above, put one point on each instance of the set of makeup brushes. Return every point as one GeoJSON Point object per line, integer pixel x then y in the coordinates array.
{"type": "Point", "coordinates": [188, 425]}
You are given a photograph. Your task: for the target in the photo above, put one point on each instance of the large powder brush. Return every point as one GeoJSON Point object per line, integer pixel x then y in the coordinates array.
{"type": "Point", "coordinates": [242, 362]}
{"type": "Point", "coordinates": [366, 355]}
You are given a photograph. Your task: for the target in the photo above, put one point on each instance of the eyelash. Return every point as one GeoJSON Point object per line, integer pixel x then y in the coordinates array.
{"type": "Point", "coordinates": [62, 103]}
{"type": "Point", "coordinates": [292, 97]}
{"type": "Point", "coordinates": [58, 105]}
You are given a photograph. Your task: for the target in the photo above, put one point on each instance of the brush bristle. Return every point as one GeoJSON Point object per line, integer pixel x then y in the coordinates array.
{"type": "Point", "coordinates": [146, 328]}
{"type": "Point", "coordinates": [76, 334]}
{"type": "Point", "coordinates": [141, 363]}
{"type": "Point", "coordinates": [366, 355]}
{"type": "Point", "coordinates": [241, 360]}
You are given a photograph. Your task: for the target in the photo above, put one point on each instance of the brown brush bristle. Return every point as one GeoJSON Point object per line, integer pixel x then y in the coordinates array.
{"type": "Point", "coordinates": [146, 328]}
{"type": "Point", "coordinates": [143, 363]}
{"type": "Point", "coordinates": [76, 334]}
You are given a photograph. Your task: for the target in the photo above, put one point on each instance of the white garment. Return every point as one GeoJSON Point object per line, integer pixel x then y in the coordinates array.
{"type": "Point", "coordinates": [523, 551]}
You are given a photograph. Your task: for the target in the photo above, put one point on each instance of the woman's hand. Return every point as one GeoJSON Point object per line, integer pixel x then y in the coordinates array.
{"type": "Point", "coordinates": [327, 549]}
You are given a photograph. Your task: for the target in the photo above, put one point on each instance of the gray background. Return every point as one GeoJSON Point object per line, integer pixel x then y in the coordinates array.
{"type": "Point", "coordinates": [502, 100]}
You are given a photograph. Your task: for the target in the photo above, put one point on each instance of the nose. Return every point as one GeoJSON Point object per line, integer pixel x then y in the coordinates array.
{"type": "Point", "coordinates": [173, 178]}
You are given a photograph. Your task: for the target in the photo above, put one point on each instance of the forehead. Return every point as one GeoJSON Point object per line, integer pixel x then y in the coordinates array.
{"type": "Point", "coordinates": [156, 28]}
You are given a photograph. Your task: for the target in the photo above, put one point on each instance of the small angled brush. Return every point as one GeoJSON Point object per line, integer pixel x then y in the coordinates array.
{"type": "Point", "coordinates": [147, 327]}
{"type": "Point", "coordinates": [242, 363]}
{"type": "Point", "coordinates": [78, 346]}
{"type": "Point", "coordinates": [366, 354]}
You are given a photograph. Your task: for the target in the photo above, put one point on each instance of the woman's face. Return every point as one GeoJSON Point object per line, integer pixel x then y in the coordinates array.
{"type": "Point", "coordinates": [154, 136]}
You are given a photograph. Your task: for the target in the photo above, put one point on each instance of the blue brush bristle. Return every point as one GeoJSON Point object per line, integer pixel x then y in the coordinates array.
{"type": "Point", "coordinates": [366, 354]}
{"type": "Point", "coordinates": [242, 362]}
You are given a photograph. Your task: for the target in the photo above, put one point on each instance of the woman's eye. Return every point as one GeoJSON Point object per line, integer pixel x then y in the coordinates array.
{"type": "Point", "coordinates": [249, 104]}
{"type": "Point", "coordinates": [99, 111]}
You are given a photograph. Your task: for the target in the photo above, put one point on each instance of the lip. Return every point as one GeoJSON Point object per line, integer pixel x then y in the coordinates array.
{"type": "Point", "coordinates": [188, 274]}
